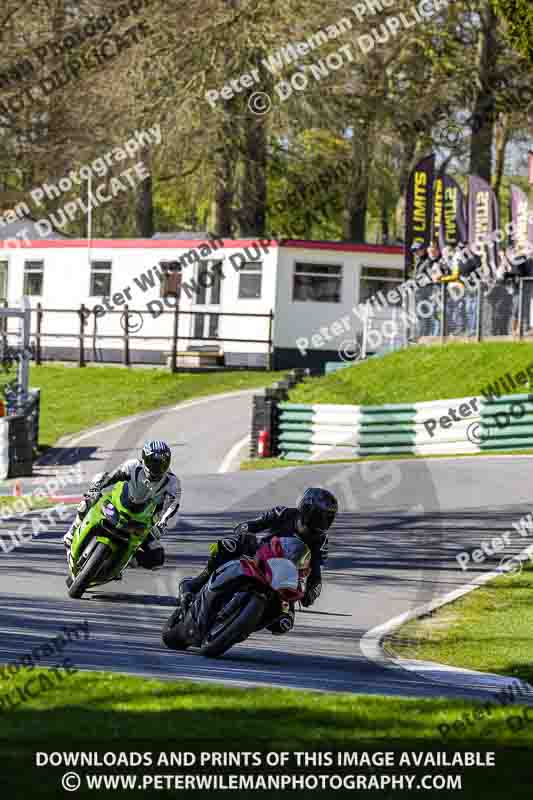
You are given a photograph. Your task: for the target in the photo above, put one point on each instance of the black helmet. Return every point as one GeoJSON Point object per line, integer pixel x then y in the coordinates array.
{"type": "Point", "coordinates": [318, 509]}
{"type": "Point", "coordinates": [155, 459]}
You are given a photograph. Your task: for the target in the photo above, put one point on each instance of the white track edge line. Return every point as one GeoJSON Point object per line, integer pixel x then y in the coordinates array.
{"type": "Point", "coordinates": [230, 455]}
{"type": "Point", "coordinates": [370, 642]}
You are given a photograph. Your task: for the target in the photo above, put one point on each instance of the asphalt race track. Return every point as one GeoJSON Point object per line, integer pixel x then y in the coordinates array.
{"type": "Point", "coordinates": [392, 549]}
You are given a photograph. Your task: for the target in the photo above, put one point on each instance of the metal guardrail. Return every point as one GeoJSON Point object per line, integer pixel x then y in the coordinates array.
{"type": "Point", "coordinates": [499, 309]}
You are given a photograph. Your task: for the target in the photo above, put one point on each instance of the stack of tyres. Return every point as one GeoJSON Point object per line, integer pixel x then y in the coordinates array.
{"type": "Point", "coordinates": [20, 446]}
{"type": "Point", "coordinates": [265, 411]}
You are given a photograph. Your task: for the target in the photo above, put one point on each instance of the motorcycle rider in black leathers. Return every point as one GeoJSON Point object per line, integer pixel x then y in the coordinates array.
{"type": "Point", "coordinates": [310, 521]}
{"type": "Point", "coordinates": [149, 477]}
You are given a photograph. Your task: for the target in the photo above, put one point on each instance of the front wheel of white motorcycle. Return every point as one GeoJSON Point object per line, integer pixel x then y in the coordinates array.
{"type": "Point", "coordinates": [87, 574]}
{"type": "Point", "coordinates": [236, 629]}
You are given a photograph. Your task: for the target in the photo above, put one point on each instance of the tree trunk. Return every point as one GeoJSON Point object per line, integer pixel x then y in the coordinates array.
{"type": "Point", "coordinates": [144, 211]}
{"type": "Point", "coordinates": [253, 190]}
{"type": "Point", "coordinates": [501, 139]}
{"type": "Point", "coordinates": [357, 200]}
{"type": "Point", "coordinates": [483, 112]}
{"type": "Point", "coordinates": [385, 230]}
{"type": "Point", "coordinates": [225, 157]}
{"type": "Point", "coordinates": [407, 162]}
{"type": "Point", "coordinates": [224, 176]}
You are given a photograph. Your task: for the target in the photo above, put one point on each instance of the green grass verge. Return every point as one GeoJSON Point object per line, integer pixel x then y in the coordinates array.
{"type": "Point", "coordinates": [417, 374]}
{"type": "Point", "coordinates": [26, 503]}
{"type": "Point", "coordinates": [110, 713]}
{"type": "Point", "coordinates": [74, 399]}
{"type": "Point", "coordinates": [276, 463]}
{"type": "Point", "coordinates": [490, 629]}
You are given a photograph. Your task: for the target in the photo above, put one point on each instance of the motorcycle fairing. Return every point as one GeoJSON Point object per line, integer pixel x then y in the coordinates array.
{"type": "Point", "coordinates": [123, 542]}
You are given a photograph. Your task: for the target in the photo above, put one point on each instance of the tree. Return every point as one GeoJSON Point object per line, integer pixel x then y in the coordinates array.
{"type": "Point", "coordinates": [484, 106]}
{"type": "Point", "coordinates": [518, 15]}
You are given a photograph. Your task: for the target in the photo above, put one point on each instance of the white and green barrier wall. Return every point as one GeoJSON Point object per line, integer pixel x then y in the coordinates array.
{"type": "Point", "coordinates": [463, 425]}
{"type": "Point", "coordinates": [507, 423]}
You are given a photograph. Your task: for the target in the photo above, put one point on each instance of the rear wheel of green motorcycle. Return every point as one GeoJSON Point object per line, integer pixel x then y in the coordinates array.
{"type": "Point", "coordinates": [88, 572]}
{"type": "Point", "coordinates": [237, 629]}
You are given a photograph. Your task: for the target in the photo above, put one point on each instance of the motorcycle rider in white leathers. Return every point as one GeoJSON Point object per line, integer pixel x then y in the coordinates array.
{"type": "Point", "coordinates": [148, 478]}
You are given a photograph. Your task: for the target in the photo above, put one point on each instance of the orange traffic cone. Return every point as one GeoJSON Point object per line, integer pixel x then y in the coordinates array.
{"type": "Point", "coordinates": [17, 489]}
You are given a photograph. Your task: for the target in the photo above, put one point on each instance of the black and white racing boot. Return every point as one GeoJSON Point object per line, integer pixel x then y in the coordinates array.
{"type": "Point", "coordinates": [189, 587]}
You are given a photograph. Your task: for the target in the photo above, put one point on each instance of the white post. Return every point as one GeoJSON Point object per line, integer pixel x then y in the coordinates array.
{"type": "Point", "coordinates": [24, 375]}
{"type": "Point", "coordinates": [365, 327]}
{"type": "Point", "coordinates": [89, 217]}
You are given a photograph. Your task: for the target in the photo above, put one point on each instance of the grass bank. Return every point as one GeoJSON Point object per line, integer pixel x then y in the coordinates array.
{"type": "Point", "coordinates": [73, 399]}
{"type": "Point", "coordinates": [490, 629]}
{"type": "Point", "coordinates": [414, 375]}
{"type": "Point", "coordinates": [100, 712]}
{"type": "Point", "coordinates": [419, 373]}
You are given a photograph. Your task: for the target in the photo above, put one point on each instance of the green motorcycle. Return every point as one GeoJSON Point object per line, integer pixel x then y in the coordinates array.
{"type": "Point", "coordinates": [107, 539]}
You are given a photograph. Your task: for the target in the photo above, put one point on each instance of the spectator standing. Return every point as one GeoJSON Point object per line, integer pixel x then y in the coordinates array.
{"type": "Point", "coordinates": [469, 264]}
{"type": "Point", "coordinates": [426, 260]}
{"type": "Point", "coordinates": [501, 296]}
{"type": "Point", "coordinates": [520, 267]}
{"type": "Point", "coordinates": [455, 305]}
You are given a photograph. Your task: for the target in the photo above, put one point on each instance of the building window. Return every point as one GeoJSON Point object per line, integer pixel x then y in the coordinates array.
{"type": "Point", "coordinates": [317, 283]}
{"type": "Point", "coordinates": [213, 326]}
{"type": "Point", "coordinates": [206, 326]}
{"type": "Point", "coordinates": [33, 278]}
{"type": "Point", "coordinates": [199, 320]}
{"type": "Point", "coordinates": [3, 279]}
{"type": "Point", "coordinates": [250, 280]}
{"type": "Point", "coordinates": [216, 272]}
{"type": "Point", "coordinates": [202, 279]}
{"type": "Point", "coordinates": [171, 285]}
{"type": "Point", "coordinates": [100, 279]}
{"type": "Point", "coordinates": [378, 279]}
{"type": "Point", "coordinates": [208, 283]}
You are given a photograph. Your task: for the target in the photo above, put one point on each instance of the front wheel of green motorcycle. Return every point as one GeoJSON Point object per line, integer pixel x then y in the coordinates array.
{"type": "Point", "coordinates": [88, 572]}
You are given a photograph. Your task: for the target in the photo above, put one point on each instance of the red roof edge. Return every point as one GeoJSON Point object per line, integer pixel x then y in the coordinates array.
{"type": "Point", "coordinates": [181, 244]}
{"type": "Point", "coordinates": [191, 244]}
{"type": "Point", "coordinates": [350, 247]}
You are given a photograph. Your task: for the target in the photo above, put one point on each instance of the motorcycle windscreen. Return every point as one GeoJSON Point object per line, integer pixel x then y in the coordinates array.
{"type": "Point", "coordinates": [283, 574]}
{"type": "Point", "coordinates": [296, 550]}
{"type": "Point", "coordinates": [128, 501]}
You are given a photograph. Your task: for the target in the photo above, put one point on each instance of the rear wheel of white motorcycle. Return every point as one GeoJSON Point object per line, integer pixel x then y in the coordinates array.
{"type": "Point", "coordinates": [88, 572]}
{"type": "Point", "coordinates": [236, 629]}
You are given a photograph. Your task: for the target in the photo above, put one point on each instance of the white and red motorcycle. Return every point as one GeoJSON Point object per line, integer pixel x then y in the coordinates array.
{"type": "Point", "coordinates": [241, 597]}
